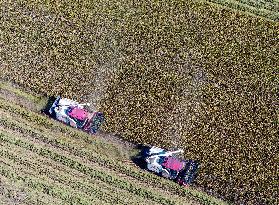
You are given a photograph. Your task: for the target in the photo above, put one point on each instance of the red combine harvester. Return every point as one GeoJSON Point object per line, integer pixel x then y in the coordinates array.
{"type": "Point", "coordinates": [157, 160]}
{"type": "Point", "coordinates": [76, 115]}
{"type": "Point", "coordinates": [163, 163]}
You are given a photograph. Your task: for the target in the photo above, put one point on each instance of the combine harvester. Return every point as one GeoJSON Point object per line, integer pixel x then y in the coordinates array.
{"type": "Point", "coordinates": [165, 164]}
{"type": "Point", "coordinates": [76, 115]}
{"type": "Point", "coordinates": [157, 160]}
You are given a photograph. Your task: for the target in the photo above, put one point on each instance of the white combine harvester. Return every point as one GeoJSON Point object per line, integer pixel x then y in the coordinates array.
{"type": "Point", "coordinates": [164, 163]}
{"type": "Point", "coordinates": [76, 115]}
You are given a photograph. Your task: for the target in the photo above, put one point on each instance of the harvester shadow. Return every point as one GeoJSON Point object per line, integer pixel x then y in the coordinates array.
{"type": "Point", "coordinates": [48, 105]}
{"type": "Point", "coordinates": [139, 159]}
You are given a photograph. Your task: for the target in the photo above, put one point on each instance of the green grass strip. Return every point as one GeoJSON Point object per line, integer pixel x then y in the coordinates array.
{"type": "Point", "coordinates": [52, 190]}
{"type": "Point", "coordinates": [39, 100]}
{"type": "Point", "coordinates": [104, 161]}
{"type": "Point", "coordinates": [24, 195]}
{"type": "Point", "coordinates": [87, 170]}
{"type": "Point", "coordinates": [267, 14]}
{"type": "Point", "coordinates": [81, 152]}
{"type": "Point", "coordinates": [49, 124]}
{"type": "Point", "coordinates": [38, 169]}
{"type": "Point", "coordinates": [54, 126]}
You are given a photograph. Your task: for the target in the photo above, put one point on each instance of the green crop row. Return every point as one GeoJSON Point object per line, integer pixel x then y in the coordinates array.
{"type": "Point", "coordinates": [102, 160]}
{"type": "Point", "coordinates": [266, 9]}
{"type": "Point", "coordinates": [171, 73]}
{"type": "Point", "coordinates": [69, 147]}
{"type": "Point", "coordinates": [14, 191]}
{"type": "Point", "coordinates": [11, 159]}
{"type": "Point", "coordinates": [44, 122]}
{"type": "Point", "coordinates": [39, 170]}
{"type": "Point", "coordinates": [55, 191]}
{"type": "Point", "coordinates": [40, 101]}
{"type": "Point", "coordinates": [94, 174]}
{"type": "Point", "coordinates": [93, 157]}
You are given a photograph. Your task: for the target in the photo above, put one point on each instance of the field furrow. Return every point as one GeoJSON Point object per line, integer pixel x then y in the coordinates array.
{"type": "Point", "coordinates": [55, 190]}
{"type": "Point", "coordinates": [18, 193]}
{"type": "Point", "coordinates": [266, 9]}
{"type": "Point", "coordinates": [200, 75]}
{"type": "Point", "coordinates": [67, 144]}
{"type": "Point", "coordinates": [84, 153]}
{"type": "Point", "coordinates": [49, 171]}
{"type": "Point", "coordinates": [85, 167]}
{"type": "Point", "coordinates": [51, 152]}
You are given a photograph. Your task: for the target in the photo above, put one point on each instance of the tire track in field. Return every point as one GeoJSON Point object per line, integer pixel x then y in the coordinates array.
{"type": "Point", "coordinates": [66, 176]}
{"type": "Point", "coordinates": [124, 176]}
{"type": "Point", "coordinates": [85, 164]}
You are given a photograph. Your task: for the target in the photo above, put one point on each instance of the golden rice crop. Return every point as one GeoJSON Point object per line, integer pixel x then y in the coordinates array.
{"type": "Point", "coordinates": [172, 73]}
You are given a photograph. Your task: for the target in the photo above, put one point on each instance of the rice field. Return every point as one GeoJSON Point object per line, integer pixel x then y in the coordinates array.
{"type": "Point", "coordinates": [267, 9]}
{"type": "Point", "coordinates": [171, 73]}
{"type": "Point", "coordinates": [46, 162]}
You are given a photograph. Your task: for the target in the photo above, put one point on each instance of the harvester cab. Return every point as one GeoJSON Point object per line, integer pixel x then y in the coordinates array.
{"type": "Point", "coordinates": [165, 164]}
{"type": "Point", "coordinates": [76, 115]}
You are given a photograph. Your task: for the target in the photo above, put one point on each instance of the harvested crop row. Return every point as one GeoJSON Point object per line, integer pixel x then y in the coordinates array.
{"type": "Point", "coordinates": [14, 192]}
{"type": "Point", "coordinates": [29, 128]}
{"type": "Point", "coordinates": [102, 161]}
{"type": "Point", "coordinates": [146, 179]}
{"type": "Point", "coordinates": [43, 124]}
{"type": "Point", "coordinates": [182, 74]}
{"type": "Point", "coordinates": [93, 173]}
{"type": "Point", "coordinates": [86, 152]}
{"type": "Point", "coordinates": [81, 152]}
{"type": "Point", "coordinates": [22, 162]}
{"type": "Point", "coordinates": [266, 9]}
{"type": "Point", "coordinates": [35, 184]}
